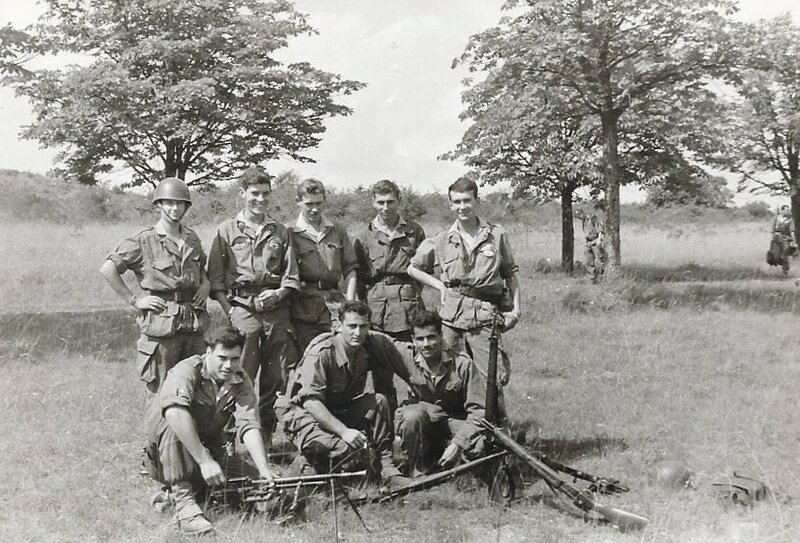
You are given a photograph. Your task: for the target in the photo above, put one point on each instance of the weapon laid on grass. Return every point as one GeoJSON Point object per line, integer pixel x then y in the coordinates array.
{"type": "Point", "coordinates": [244, 490]}
{"type": "Point", "coordinates": [434, 479]}
{"type": "Point", "coordinates": [584, 499]}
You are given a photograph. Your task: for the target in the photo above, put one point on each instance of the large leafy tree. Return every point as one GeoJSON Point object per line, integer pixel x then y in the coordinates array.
{"type": "Point", "coordinates": [187, 88]}
{"type": "Point", "coordinates": [768, 150]}
{"type": "Point", "coordinates": [16, 47]}
{"type": "Point", "coordinates": [644, 63]}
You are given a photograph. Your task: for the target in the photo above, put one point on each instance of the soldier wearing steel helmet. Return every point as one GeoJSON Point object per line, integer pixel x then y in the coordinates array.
{"type": "Point", "coordinates": [169, 262]}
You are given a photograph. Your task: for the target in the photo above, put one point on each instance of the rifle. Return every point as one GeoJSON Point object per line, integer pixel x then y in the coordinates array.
{"type": "Point", "coordinates": [549, 469]}
{"type": "Point", "coordinates": [243, 490]}
{"type": "Point", "coordinates": [582, 498]}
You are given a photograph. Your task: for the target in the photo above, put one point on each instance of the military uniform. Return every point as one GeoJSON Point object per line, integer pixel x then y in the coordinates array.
{"type": "Point", "coordinates": [322, 261]}
{"type": "Point", "coordinates": [216, 410]}
{"type": "Point", "coordinates": [172, 270]}
{"type": "Point", "coordinates": [383, 258]}
{"type": "Point", "coordinates": [352, 390]}
{"type": "Point", "coordinates": [782, 245]}
{"type": "Point", "coordinates": [243, 262]}
{"type": "Point", "coordinates": [594, 253]}
{"type": "Point", "coordinates": [444, 409]}
{"type": "Point", "coordinates": [475, 278]}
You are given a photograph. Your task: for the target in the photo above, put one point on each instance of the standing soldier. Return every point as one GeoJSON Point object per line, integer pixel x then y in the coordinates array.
{"type": "Point", "coordinates": [252, 270]}
{"type": "Point", "coordinates": [594, 253]}
{"type": "Point", "coordinates": [324, 256]}
{"type": "Point", "coordinates": [384, 248]}
{"type": "Point", "coordinates": [168, 261]}
{"type": "Point", "coordinates": [782, 246]}
{"type": "Point", "coordinates": [478, 278]}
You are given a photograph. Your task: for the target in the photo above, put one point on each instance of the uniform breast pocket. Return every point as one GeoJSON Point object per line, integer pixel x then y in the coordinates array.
{"type": "Point", "coordinates": [240, 246]}
{"type": "Point", "coordinates": [451, 264]}
{"type": "Point", "coordinates": [305, 254]}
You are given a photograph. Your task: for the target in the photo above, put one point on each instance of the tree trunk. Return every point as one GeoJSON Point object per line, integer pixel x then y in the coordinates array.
{"type": "Point", "coordinates": [794, 191]}
{"type": "Point", "coordinates": [567, 230]}
{"type": "Point", "coordinates": [170, 163]}
{"type": "Point", "coordinates": [612, 177]}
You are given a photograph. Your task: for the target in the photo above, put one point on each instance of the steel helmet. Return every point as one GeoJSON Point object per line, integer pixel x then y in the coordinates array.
{"type": "Point", "coordinates": [672, 474]}
{"type": "Point", "coordinates": [172, 188]}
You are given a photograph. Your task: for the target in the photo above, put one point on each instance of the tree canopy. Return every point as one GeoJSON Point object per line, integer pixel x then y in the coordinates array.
{"type": "Point", "coordinates": [640, 69]}
{"type": "Point", "coordinates": [188, 88]}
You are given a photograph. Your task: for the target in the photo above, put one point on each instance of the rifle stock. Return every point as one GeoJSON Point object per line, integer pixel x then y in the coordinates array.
{"type": "Point", "coordinates": [582, 499]}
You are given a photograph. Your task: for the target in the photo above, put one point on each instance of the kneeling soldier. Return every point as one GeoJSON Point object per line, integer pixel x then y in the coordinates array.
{"type": "Point", "coordinates": [330, 415]}
{"type": "Point", "coordinates": [437, 423]}
{"type": "Point", "coordinates": [186, 427]}
{"type": "Point", "coordinates": [168, 260]}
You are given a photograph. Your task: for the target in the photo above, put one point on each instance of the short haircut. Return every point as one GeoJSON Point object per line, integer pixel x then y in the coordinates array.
{"type": "Point", "coordinates": [463, 184]}
{"type": "Point", "coordinates": [310, 186]}
{"type": "Point", "coordinates": [227, 336]}
{"type": "Point", "coordinates": [425, 318]}
{"type": "Point", "coordinates": [384, 186]}
{"type": "Point", "coordinates": [355, 306]}
{"type": "Point", "coordinates": [254, 176]}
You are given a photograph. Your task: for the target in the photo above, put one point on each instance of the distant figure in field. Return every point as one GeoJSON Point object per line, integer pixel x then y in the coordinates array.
{"type": "Point", "coordinates": [169, 263]}
{"type": "Point", "coordinates": [384, 248]}
{"type": "Point", "coordinates": [783, 246]}
{"type": "Point", "coordinates": [594, 227]}
{"type": "Point", "coordinates": [187, 427]}
{"type": "Point", "coordinates": [478, 279]}
{"type": "Point", "coordinates": [325, 256]}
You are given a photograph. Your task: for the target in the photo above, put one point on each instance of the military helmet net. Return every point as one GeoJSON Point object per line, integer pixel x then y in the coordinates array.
{"type": "Point", "coordinates": [172, 188]}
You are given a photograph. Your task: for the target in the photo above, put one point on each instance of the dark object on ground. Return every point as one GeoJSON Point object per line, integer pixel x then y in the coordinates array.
{"type": "Point", "coordinates": [740, 490]}
{"type": "Point", "coordinates": [672, 474]}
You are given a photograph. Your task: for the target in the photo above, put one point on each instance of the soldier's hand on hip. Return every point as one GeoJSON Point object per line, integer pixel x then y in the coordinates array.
{"type": "Point", "coordinates": [150, 303]}
{"type": "Point", "coordinates": [354, 438]}
{"type": "Point", "coordinates": [212, 473]}
{"type": "Point", "coordinates": [510, 320]}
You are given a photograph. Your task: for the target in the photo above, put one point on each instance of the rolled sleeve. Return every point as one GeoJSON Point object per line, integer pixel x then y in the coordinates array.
{"type": "Point", "coordinates": [508, 267]}
{"type": "Point", "coordinates": [127, 256]}
{"type": "Point", "coordinates": [291, 273]}
{"type": "Point", "coordinates": [349, 260]}
{"type": "Point", "coordinates": [178, 388]}
{"type": "Point", "coordinates": [425, 257]}
{"type": "Point", "coordinates": [216, 264]}
{"type": "Point", "coordinates": [312, 378]}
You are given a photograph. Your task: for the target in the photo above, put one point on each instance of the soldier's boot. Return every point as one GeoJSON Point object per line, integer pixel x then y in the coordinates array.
{"type": "Point", "coordinates": [188, 514]}
{"type": "Point", "coordinates": [391, 477]}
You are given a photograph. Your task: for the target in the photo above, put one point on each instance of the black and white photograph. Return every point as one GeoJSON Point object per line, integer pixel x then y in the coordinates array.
{"type": "Point", "coordinates": [444, 271]}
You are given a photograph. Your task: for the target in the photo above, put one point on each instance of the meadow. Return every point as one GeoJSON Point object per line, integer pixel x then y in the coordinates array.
{"type": "Point", "coordinates": [688, 354]}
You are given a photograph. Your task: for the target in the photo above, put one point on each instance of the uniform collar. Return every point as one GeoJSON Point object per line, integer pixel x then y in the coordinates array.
{"type": "Point", "coordinates": [240, 218]}
{"type": "Point", "coordinates": [341, 352]}
{"type": "Point", "coordinates": [301, 225]}
{"type": "Point", "coordinates": [455, 227]}
{"type": "Point", "coordinates": [159, 229]}
{"type": "Point", "coordinates": [447, 361]}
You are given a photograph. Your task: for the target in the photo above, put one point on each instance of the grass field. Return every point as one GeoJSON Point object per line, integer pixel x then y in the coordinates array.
{"type": "Point", "coordinates": [689, 355]}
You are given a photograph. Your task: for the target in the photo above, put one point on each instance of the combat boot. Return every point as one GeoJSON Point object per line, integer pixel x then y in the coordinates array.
{"type": "Point", "coordinates": [392, 479]}
{"type": "Point", "coordinates": [188, 514]}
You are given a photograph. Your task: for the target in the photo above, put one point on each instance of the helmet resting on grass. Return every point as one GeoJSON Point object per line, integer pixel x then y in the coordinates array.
{"type": "Point", "coordinates": [672, 474]}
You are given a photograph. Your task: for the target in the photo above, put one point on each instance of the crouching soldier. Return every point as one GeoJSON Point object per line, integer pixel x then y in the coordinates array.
{"type": "Point", "coordinates": [331, 415]}
{"type": "Point", "coordinates": [437, 424]}
{"type": "Point", "coordinates": [168, 261]}
{"type": "Point", "coordinates": [186, 427]}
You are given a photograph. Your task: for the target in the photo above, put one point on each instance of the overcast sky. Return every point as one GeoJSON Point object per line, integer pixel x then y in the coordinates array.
{"type": "Point", "coordinates": [405, 117]}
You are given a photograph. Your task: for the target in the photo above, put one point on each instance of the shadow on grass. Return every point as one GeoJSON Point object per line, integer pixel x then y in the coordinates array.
{"type": "Point", "coordinates": [626, 296]}
{"type": "Point", "coordinates": [692, 272]}
{"type": "Point", "coordinates": [566, 450]}
{"type": "Point", "coordinates": [28, 337]}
